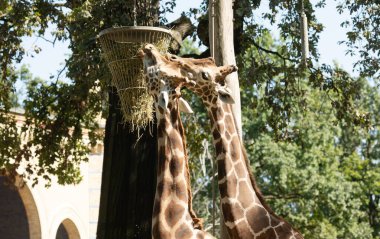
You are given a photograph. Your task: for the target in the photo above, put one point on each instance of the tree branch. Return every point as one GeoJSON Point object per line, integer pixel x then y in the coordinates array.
{"type": "Point", "coordinates": [43, 38]}
{"type": "Point", "coordinates": [270, 51]}
{"type": "Point", "coordinates": [204, 54]}
{"type": "Point", "coordinates": [285, 196]}
{"type": "Point", "coordinates": [181, 28]}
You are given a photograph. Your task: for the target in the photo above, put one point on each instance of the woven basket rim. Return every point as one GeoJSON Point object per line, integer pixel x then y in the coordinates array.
{"type": "Point", "coordinates": [142, 29]}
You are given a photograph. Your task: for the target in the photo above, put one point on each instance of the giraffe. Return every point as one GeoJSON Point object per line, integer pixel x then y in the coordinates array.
{"type": "Point", "coordinates": [245, 211]}
{"type": "Point", "coordinates": [173, 217]}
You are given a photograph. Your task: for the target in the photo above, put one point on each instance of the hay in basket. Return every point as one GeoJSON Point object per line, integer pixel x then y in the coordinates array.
{"type": "Point", "coordinates": [120, 46]}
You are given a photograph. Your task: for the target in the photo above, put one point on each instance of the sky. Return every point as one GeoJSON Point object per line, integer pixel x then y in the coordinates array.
{"type": "Point", "coordinates": [51, 59]}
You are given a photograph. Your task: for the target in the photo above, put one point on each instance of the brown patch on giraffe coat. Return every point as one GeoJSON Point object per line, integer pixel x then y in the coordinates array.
{"type": "Point", "coordinates": [207, 105]}
{"type": "Point", "coordinates": [257, 219]}
{"type": "Point", "coordinates": [284, 230]}
{"type": "Point", "coordinates": [233, 233]}
{"type": "Point", "coordinates": [231, 186]}
{"type": "Point", "coordinates": [227, 212]}
{"type": "Point", "coordinates": [161, 111]}
{"type": "Point", "coordinates": [173, 213]}
{"type": "Point", "coordinates": [235, 150]}
{"type": "Point", "coordinates": [276, 221]}
{"type": "Point", "coordinates": [219, 148]}
{"type": "Point", "coordinates": [162, 152]}
{"type": "Point", "coordinates": [221, 128]}
{"type": "Point", "coordinates": [175, 166]}
{"type": "Point", "coordinates": [245, 197]}
{"type": "Point", "coordinates": [214, 114]}
{"type": "Point", "coordinates": [183, 232]}
{"type": "Point", "coordinates": [242, 231]}
{"type": "Point", "coordinates": [200, 83]}
{"type": "Point", "coordinates": [241, 170]}
{"type": "Point", "coordinates": [233, 212]}
{"type": "Point", "coordinates": [227, 136]}
{"type": "Point", "coordinates": [230, 124]}
{"type": "Point", "coordinates": [223, 188]}
{"type": "Point", "coordinates": [180, 189]}
{"type": "Point", "coordinates": [161, 128]}
{"type": "Point", "coordinates": [166, 187]}
{"type": "Point", "coordinates": [216, 134]}
{"type": "Point", "coordinates": [268, 234]}
{"type": "Point", "coordinates": [161, 233]}
{"type": "Point", "coordinates": [209, 98]}
{"type": "Point", "coordinates": [174, 117]}
{"type": "Point", "coordinates": [156, 207]}
{"type": "Point", "coordinates": [221, 169]}
{"type": "Point", "coordinates": [160, 188]}
{"type": "Point", "coordinates": [175, 140]}
{"type": "Point", "coordinates": [226, 107]}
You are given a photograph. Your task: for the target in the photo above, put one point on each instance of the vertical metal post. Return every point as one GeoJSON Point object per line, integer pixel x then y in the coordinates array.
{"type": "Point", "coordinates": [134, 13]}
{"type": "Point", "coordinates": [212, 42]}
{"type": "Point", "coordinates": [212, 53]}
{"type": "Point", "coordinates": [304, 35]}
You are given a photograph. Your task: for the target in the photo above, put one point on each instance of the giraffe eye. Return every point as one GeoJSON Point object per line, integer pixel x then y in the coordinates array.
{"type": "Point", "coordinates": [205, 75]}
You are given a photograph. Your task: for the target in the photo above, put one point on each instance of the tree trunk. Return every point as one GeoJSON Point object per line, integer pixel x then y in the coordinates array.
{"type": "Point", "coordinates": [222, 49]}
{"type": "Point", "coordinates": [128, 180]}
{"type": "Point", "coordinates": [223, 46]}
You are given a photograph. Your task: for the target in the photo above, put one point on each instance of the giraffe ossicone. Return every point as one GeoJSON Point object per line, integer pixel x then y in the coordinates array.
{"type": "Point", "coordinates": [173, 217]}
{"type": "Point", "coordinates": [245, 211]}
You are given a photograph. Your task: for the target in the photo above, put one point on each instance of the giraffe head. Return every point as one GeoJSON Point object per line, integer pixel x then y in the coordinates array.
{"type": "Point", "coordinates": [199, 75]}
{"type": "Point", "coordinates": [210, 80]}
{"type": "Point", "coordinates": [163, 78]}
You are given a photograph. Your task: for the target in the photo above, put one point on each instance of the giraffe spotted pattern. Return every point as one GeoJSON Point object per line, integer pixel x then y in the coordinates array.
{"type": "Point", "coordinates": [172, 213]}
{"type": "Point", "coordinates": [245, 211]}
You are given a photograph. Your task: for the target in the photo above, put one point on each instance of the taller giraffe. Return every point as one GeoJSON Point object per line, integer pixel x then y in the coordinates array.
{"type": "Point", "coordinates": [245, 211]}
{"type": "Point", "coordinates": [172, 212]}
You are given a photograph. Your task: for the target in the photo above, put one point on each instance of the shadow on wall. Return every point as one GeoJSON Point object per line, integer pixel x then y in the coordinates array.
{"type": "Point", "coordinates": [67, 230]}
{"type": "Point", "coordinates": [18, 212]}
{"type": "Point", "coordinates": [19, 217]}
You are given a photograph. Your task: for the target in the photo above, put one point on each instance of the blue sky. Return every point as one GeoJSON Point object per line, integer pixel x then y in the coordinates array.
{"type": "Point", "coordinates": [50, 60]}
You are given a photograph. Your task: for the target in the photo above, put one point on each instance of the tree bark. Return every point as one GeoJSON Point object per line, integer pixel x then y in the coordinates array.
{"type": "Point", "coordinates": [128, 180]}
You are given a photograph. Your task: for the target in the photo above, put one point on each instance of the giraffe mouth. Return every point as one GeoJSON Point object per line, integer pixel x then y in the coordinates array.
{"type": "Point", "coordinates": [140, 54]}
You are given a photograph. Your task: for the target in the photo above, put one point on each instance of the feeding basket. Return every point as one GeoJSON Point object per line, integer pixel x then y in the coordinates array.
{"type": "Point", "coordinates": [120, 46]}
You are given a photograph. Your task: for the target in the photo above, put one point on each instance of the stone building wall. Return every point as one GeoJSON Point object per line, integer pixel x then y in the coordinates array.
{"type": "Point", "coordinates": [57, 212]}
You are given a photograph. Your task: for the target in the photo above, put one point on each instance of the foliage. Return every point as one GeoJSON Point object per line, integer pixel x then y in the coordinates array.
{"type": "Point", "coordinates": [362, 34]}
{"type": "Point", "coordinates": [312, 133]}
{"type": "Point", "coordinates": [188, 48]}
{"type": "Point", "coordinates": [319, 174]}
{"type": "Point", "coordinates": [58, 113]}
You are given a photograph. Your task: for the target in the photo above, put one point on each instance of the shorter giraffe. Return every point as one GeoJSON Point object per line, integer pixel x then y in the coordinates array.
{"type": "Point", "coordinates": [245, 211]}
{"type": "Point", "coordinates": [172, 217]}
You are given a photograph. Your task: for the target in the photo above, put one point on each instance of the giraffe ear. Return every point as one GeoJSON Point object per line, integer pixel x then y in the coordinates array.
{"type": "Point", "coordinates": [163, 99]}
{"type": "Point", "coordinates": [184, 106]}
{"type": "Point", "coordinates": [225, 95]}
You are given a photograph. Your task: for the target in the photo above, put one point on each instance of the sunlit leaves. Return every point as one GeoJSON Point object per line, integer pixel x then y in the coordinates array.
{"type": "Point", "coordinates": [362, 34]}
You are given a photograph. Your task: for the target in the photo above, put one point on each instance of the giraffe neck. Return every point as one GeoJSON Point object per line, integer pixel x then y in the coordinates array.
{"type": "Point", "coordinates": [172, 217]}
{"type": "Point", "coordinates": [245, 212]}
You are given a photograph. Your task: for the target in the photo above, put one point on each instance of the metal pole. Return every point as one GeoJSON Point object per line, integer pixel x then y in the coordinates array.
{"type": "Point", "coordinates": [212, 45]}
{"type": "Point", "coordinates": [134, 13]}
{"type": "Point", "coordinates": [212, 52]}
{"type": "Point", "coordinates": [304, 35]}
